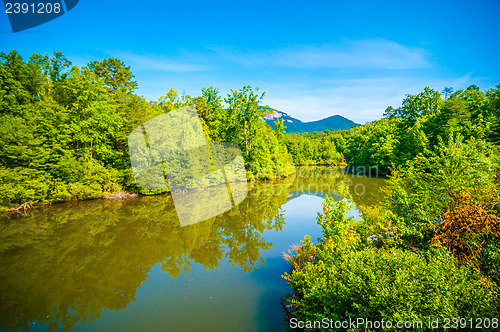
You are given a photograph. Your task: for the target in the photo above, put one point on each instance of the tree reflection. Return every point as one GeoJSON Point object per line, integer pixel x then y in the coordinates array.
{"type": "Point", "coordinates": [68, 262]}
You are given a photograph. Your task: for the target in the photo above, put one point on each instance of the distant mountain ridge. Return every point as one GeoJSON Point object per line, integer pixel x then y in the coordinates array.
{"type": "Point", "coordinates": [334, 122]}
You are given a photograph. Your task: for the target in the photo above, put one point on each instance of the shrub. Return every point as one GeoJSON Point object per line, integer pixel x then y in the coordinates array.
{"type": "Point", "coordinates": [349, 279]}
{"type": "Point", "coordinates": [431, 185]}
{"type": "Point", "coordinates": [466, 229]}
{"type": "Point", "coordinates": [18, 185]}
{"type": "Point", "coordinates": [472, 235]}
{"type": "Point", "coordinates": [389, 284]}
{"type": "Point", "coordinates": [300, 255]}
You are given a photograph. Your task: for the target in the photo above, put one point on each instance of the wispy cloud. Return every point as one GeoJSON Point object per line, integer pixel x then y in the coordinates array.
{"type": "Point", "coordinates": [374, 54]}
{"type": "Point", "coordinates": [356, 79]}
{"type": "Point", "coordinates": [153, 62]}
{"type": "Point", "coordinates": [360, 100]}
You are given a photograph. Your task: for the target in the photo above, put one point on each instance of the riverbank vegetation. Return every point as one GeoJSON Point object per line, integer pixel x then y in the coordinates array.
{"type": "Point", "coordinates": [415, 127]}
{"type": "Point", "coordinates": [431, 249]}
{"type": "Point", "coordinates": [65, 128]}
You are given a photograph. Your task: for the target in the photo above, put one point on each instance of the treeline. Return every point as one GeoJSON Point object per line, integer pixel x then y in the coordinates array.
{"type": "Point", "coordinates": [314, 148]}
{"type": "Point", "coordinates": [416, 127]}
{"type": "Point", "coordinates": [435, 238]}
{"type": "Point", "coordinates": [65, 128]}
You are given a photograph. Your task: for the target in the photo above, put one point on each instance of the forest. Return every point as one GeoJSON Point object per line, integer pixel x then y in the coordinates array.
{"type": "Point", "coordinates": [65, 129]}
{"type": "Point", "coordinates": [416, 127]}
{"type": "Point", "coordinates": [430, 250]}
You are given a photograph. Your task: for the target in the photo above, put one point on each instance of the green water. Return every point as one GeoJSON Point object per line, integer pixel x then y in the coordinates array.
{"type": "Point", "coordinates": [129, 266]}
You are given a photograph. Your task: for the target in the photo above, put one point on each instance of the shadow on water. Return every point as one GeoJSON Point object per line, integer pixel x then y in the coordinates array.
{"type": "Point", "coordinates": [270, 311]}
{"type": "Point", "coordinates": [67, 263]}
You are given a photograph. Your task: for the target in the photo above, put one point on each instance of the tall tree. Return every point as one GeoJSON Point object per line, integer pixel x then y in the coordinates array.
{"type": "Point", "coordinates": [245, 113]}
{"type": "Point", "coordinates": [13, 77]}
{"type": "Point", "coordinates": [447, 91]}
{"type": "Point", "coordinates": [115, 74]}
{"type": "Point", "coordinates": [279, 129]}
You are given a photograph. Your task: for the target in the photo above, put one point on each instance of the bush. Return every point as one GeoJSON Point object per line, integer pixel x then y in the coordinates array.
{"type": "Point", "coordinates": [20, 185]}
{"type": "Point", "coordinates": [60, 192]}
{"type": "Point", "coordinates": [472, 236]}
{"type": "Point", "coordinates": [431, 185]}
{"type": "Point", "coordinates": [300, 255]}
{"type": "Point", "coordinates": [391, 285]}
{"type": "Point", "coordinates": [351, 278]}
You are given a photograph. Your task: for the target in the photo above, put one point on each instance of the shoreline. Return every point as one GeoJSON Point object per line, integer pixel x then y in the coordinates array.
{"type": "Point", "coordinates": [125, 195]}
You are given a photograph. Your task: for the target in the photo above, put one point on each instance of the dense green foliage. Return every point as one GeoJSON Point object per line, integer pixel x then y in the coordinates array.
{"type": "Point", "coordinates": [383, 268]}
{"type": "Point", "coordinates": [418, 125]}
{"type": "Point", "coordinates": [432, 248]}
{"type": "Point", "coordinates": [390, 285]}
{"type": "Point", "coordinates": [313, 149]}
{"type": "Point", "coordinates": [65, 129]}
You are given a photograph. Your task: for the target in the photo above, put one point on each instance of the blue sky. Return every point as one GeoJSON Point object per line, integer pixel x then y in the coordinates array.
{"type": "Point", "coordinates": [312, 58]}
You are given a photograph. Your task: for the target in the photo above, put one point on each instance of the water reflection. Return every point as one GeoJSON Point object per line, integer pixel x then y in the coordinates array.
{"type": "Point", "coordinates": [69, 262]}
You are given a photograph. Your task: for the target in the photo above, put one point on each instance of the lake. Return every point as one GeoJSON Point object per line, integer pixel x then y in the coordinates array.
{"type": "Point", "coordinates": [128, 265]}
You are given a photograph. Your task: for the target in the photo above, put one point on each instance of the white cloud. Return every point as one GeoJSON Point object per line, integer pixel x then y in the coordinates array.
{"type": "Point", "coordinates": [374, 54]}
{"type": "Point", "coordinates": [153, 62]}
{"type": "Point", "coordinates": [369, 76]}
{"type": "Point", "coordinates": [361, 100]}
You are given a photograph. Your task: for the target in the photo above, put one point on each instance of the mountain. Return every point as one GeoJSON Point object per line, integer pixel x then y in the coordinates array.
{"type": "Point", "coordinates": [334, 122]}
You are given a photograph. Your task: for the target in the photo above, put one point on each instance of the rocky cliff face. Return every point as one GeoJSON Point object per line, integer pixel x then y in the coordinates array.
{"type": "Point", "coordinates": [274, 115]}
{"type": "Point", "coordinates": [335, 122]}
